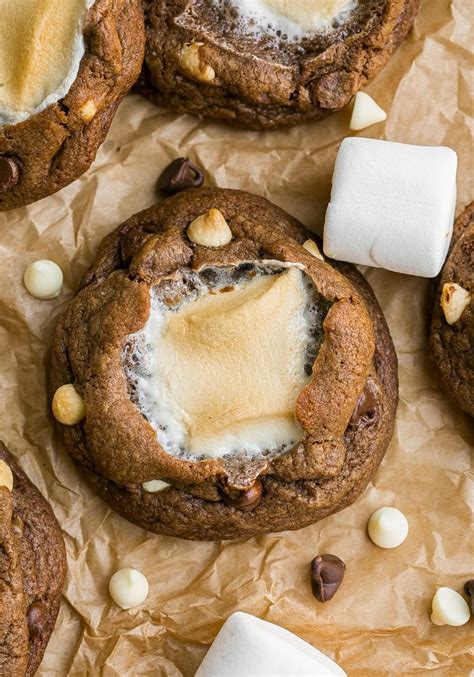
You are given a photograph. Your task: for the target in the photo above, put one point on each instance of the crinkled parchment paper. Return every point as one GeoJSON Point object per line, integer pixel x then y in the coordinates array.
{"type": "Point", "coordinates": [378, 623]}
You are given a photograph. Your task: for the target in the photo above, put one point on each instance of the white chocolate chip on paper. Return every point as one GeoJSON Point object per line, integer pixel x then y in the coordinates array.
{"type": "Point", "coordinates": [449, 608]}
{"type": "Point", "coordinates": [43, 279]}
{"type": "Point", "coordinates": [388, 527]}
{"type": "Point", "coordinates": [366, 112]}
{"type": "Point", "coordinates": [128, 588]}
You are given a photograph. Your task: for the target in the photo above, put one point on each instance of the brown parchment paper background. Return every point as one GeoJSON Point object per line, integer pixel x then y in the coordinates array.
{"type": "Point", "coordinates": [378, 623]}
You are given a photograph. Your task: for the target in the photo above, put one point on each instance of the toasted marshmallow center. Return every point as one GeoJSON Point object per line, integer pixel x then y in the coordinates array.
{"type": "Point", "coordinates": [293, 18]}
{"type": "Point", "coordinates": [41, 46]}
{"type": "Point", "coordinates": [221, 374]}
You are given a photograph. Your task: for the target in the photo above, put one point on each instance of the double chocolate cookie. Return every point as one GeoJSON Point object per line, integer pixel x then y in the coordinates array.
{"type": "Point", "coordinates": [452, 324]}
{"type": "Point", "coordinates": [64, 68]}
{"type": "Point", "coordinates": [215, 378]}
{"type": "Point", "coordinates": [32, 570]}
{"type": "Point", "coordinates": [267, 63]}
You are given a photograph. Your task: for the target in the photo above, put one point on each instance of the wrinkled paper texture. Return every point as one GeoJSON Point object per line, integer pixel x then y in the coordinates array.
{"type": "Point", "coordinates": [379, 622]}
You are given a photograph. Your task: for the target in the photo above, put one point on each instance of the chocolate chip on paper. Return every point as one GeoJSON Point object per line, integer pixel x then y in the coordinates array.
{"type": "Point", "coordinates": [327, 572]}
{"type": "Point", "coordinates": [179, 175]}
{"type": "Point", "coordinates": [9, 173]}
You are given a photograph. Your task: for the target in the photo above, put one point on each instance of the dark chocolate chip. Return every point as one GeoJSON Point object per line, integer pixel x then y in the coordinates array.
{"type": "Point", "coordinates": [179, 175]}
{"type": "Point", "coordinates": [364, 411]}
{"type": "Point", "coordinates": [37, 619]}
{"type": "Point", "coordinates": [469, 590]}
{"type": "Point", "coordinates": [245, 500]}
{"type": "Point", "coordinates": [9, 173]}
{"type": "Point", "coordinates": [327, 572]}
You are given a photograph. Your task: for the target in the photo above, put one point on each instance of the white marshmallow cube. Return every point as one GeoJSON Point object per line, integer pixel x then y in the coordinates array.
{"type": "Point", "coordinates": [246, 645]}
{"type": "Point", "coordinates": [392, 206]}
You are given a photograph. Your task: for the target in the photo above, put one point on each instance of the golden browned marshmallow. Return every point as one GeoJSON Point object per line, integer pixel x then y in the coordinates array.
{"type": "Point", "coordinates": [41, 46]}
{"type": "Point", "coordinates": [210, 351]}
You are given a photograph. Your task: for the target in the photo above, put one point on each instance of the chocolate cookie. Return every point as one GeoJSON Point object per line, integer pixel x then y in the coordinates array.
{"type": "Point", "coordinates": [452, 323]}
{"type": "Point", "coordinates": [215, 378]}
{"type": "Point", "coordinates": [63, 76]}
{"type": "Point", "coordinates": [267, 63]}
{"type": "Point", "coordinates": [32, 570]}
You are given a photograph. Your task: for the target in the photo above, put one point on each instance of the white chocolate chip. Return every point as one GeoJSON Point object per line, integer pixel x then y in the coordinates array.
{"type": "Point", "coordinates": [88, 110]}
{"type": "Point", "coordinates": [366, 112]}
{"type": "Point", "coordinates": [155, 485]}
{"type": "Point", "coordinates": [449, 608]}
{"type": "Point", "coordinates": [388, 527]}
{"type": "Point", "coordinates": [210, 229]}
{"type": "Point", "coordinates": [6, 476]}
{"type": "Point", "coordinates": [189, 60]}
{"type": "Point", "coordinates": [312, 248]}
{"type": "Point", "coordinates": [454, 301]}
{"type": "Point", "coordinates": [128, 588]}
{"type": "Point", "coordinates": [43, 279]}
{"type": "Point", "coordinates": [68, 406]}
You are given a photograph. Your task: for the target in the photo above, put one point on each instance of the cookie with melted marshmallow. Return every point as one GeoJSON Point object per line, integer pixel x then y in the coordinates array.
{"type": "Point", "coordinates": [231, 385]}
{"type": "Point", "coordinates": [267, 63]}
{"type": "Point", "coordinates": [64, 68]}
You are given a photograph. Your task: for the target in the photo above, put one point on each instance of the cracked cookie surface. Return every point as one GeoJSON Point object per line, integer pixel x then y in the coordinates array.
{"type": "Point", "coordinates": [346, 412]}
{"type": "Point", "coordinates": [198, 60]}
{"type": "Point", "coordinates": [32, 573]}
